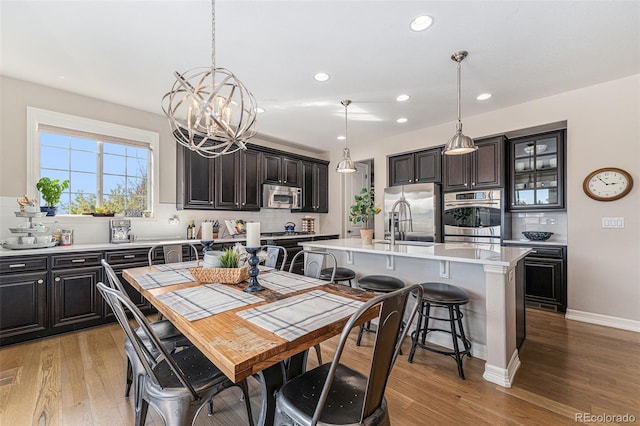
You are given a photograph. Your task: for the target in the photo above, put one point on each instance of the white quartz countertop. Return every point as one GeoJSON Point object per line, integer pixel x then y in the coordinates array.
{"type": "Point", "coordinates": [138, 244]}
{"type": "Point", "coordinates": [484, 254]}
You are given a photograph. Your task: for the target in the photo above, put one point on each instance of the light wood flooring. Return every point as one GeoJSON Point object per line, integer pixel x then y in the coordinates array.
{"type": "Point", "coordinates": [568, 367]}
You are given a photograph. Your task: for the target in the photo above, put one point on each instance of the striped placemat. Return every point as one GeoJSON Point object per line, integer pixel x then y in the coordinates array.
{"type": "Point", "coordinates": [161, 279]}
{"type": "Point", "coordinates": [298, 315]}
{"type": "Point", "coordinates": [203, 301]}
{"type": "Point", "coordinates": [287, 282]}
{"type": "Point", "coordinates": [176, 266]}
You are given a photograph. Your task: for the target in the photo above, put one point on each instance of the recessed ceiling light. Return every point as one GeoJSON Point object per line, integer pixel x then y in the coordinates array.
{"type": "Point", "coordinates": [61, 77]}
{"type": "Point", "coordinates": [483, 96]}
{"type": "Point", "coordinates": [403, 98]}
{"type": "Point", "coordinates": [260, 110]}
{"type": "Point", "coordinates": [341, 138]}
{"type": "Point", "coordinates": [421, 23]}
{"type": "Point", "coordinates": [401, 120]}
{"type": "Point", "coordinates": [321, 76]}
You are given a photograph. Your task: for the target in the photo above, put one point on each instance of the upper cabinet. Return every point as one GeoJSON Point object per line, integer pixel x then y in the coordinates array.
{"type": "Point", "coordinates": [537, 172]}
{"type": "Point", "coordinates": [315, 187]}
{"type": "Point", "coordinates": [237, 181]}
{"type": "Point", "coordinates": [481, 169]}
{"type": "Point", "coordinates": [281, 170]}
{"type": "Point", "coordinates": [195, 177]}
{"type": "Point", "coordinates": [415, 167]}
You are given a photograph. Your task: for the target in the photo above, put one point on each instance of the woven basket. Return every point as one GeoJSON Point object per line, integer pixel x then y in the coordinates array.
{"type": "Point", "coordinates": [220, 275]}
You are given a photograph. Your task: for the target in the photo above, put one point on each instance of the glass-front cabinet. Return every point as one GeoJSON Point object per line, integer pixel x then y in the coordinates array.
{"type": "Point", "coordinates": [537, 172]}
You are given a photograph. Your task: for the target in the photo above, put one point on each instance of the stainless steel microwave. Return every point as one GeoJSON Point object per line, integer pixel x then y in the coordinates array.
{"type": "Point", "coordinates": [281, 197]}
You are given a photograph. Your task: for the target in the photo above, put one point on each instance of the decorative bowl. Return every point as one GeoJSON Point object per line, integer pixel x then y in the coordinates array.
{"type": "Point", "coordinates": [537, 235]}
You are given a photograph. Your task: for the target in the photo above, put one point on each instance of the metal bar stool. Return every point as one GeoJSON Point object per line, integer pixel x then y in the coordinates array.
{"type": "Point", "coordinates": [342, 274]}
{"type": "Point", "coordinates": [451, 298]}
{"type": "Point", "coordinates": [377, 284]}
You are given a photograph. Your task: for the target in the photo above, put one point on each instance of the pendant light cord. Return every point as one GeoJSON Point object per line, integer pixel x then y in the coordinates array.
{"type": "Point", "coordinates": [213, 34]}
{"type": "Point", "coordinates": [459, 92]}
{"type": "Point", "coordinates": [346, 128]}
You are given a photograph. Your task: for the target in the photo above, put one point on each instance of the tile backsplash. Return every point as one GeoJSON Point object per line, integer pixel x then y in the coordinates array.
{"type": "Point", "coordinates": [555, 222]}
{"type": "Point", "coordinates": [89, 230]}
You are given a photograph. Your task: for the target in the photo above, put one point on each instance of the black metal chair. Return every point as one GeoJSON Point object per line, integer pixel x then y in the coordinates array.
{"type": "Point", "coordinates": [273, 253]}
{"type": "Point", "coordinates": [177, 385]}
{"type": "Point", "coordinates": [450, 298]}
{"type": "Point", "coordinates": [172, 253]}
{"type": "Point", "coordinates": [313, 262]}
{"type": "Point", "coordinates": [377, 284]}
{"type": "Point", "coordinates": [335, 394]}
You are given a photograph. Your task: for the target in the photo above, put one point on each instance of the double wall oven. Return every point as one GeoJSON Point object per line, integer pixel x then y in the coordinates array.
{"type": "Point", "coordinates": [475, 217]}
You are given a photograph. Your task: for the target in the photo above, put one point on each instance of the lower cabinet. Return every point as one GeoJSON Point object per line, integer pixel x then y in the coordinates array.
{"type": "Point", "coordinates": [23, 304]}
{"type": "Point", "coordinates": [76, 299]}
{"type": "Point", "coordinates": [545, 278]}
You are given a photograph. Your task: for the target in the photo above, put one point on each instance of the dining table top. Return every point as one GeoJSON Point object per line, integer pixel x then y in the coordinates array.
{"type": "Point", "coordinates": [238, 346]}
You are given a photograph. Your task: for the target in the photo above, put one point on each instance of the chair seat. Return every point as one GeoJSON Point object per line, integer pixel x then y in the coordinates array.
{"type": "Point", "coordinates": [344, 403]}
{"type": "Point", "coordinates": [342, 274]}
{"type": "Point", "coordinates": [444, 293]}
{"type": "Point", "coordinates": [196, 367]}
{"type": "Point", "coordinates": [380, 283]}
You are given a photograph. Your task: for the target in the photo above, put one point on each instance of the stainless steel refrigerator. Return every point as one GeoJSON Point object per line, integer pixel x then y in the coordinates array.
{"type": "Point", "coordinates": [418, 218]}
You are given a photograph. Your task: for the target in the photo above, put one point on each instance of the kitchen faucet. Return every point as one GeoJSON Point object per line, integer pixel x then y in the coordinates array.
{"type": "Point", "coordinates": [401, 202]}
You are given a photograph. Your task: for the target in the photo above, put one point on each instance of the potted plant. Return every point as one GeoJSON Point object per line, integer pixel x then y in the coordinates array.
{"type": "Point", "coordinates": [362, 211]}
{"type": "Point", "coordinates": [51, 191]}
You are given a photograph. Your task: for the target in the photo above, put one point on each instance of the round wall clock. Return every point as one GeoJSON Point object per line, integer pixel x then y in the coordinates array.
{"type": "Point", "coordinates": [607, 184]}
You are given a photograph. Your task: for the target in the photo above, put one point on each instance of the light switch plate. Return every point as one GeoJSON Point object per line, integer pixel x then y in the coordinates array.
{"type": "Point", "coordinates": [613, 222]}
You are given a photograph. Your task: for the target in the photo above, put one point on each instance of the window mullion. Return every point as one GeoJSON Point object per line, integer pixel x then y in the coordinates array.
{"type": "Point", "coordinates": [99, 179]}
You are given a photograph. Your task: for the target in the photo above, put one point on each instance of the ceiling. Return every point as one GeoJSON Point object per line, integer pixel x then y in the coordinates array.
{"type": "Point", "coordinates": [126, 52]}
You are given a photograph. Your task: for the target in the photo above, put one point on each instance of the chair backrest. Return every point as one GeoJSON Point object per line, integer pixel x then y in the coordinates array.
{"type": "Point", "coordinates": [172, 253]}
{"type": "Point", "coordinates": [112, 278]}
{"type": "Point", "coordinates": [273, 252]}
{"type": "Point", "coordinates": [313, 262]}
{"type": "Point", "coordinates": [389, 336]}
{"type": "Point", "coordinates": [150, 353]}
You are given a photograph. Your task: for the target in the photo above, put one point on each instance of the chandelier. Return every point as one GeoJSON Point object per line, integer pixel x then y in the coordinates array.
{"type": "Point", "coordinates": [210, 111]}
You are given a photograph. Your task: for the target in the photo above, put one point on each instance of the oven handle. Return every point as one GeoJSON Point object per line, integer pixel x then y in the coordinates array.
{"type": "Point", "coordinates": [446, 206]}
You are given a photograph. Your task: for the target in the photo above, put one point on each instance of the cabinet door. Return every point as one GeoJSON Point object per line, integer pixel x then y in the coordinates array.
{"type": "Point", "coordinates": [23, 303]}
{"type": "Point", "coordinates": [271, 165]}
{"type": "Point", "coordinates": [291, 174]}
{"type": "Point", "coordinates": [308, 195]}
{"type": "Point", "coordinates": [401, 169]}
{"type": "Point", "coordinates": [457, 172]}
{"type": "Point", "coordinates": [427, 166]}
{"type": "Point", "coordinates": [321, 187]}
{"type": "Point", "coordinates": [197, 180]}
{"type": "Point", "coordinates": [249, 176]}
{"type": "Point", "coordinates": [75, 296]}
{"type": "Point", "coordinates": [487, 164]}
{"type": "Point", "coordinates": [544, 281]}
{"type": "Point", "coordinates": [226, 181]}
{"type": "Point", "coordinates": [133, 294]}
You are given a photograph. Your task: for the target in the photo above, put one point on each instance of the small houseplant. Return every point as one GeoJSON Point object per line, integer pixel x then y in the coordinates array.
{"type": "Point", "coordinates": [362, 211]}
{"type": "Point", "coordinates": [51, 191]}
{"type": "Point", "coordinates": [228, 272]}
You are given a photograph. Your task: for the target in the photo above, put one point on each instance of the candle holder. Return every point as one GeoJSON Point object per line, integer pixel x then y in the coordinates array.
{"type": "Point", "coordinates": [206, 246]}
{"type": "Point", "coordinates": [254, 286]}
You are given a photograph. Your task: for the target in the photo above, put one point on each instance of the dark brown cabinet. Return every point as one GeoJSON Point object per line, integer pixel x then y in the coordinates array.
{"type": "Point", "coordinates": [482, 169]}
{"type": "Point", "coordinates": [415, 167]}
{"type": "Point", "coordinates": [237, 181]}
{"type": "Point", "coordinates": [545, 278]}
{"type": "Point", "coordinates": [315, 187]}
{"type": "Point", "coordinates": [123, 259]}
{"type": "Point", "coordinates": [281, 170]}
{"type": "Point", "coordinates": [537, 172]}
{"type": "Point", "coordinates": [23, 298]}
{"type": "Point", "coordinates": [195, 178]}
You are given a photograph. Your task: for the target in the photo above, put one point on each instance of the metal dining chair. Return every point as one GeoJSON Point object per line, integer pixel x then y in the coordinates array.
{"type": "Point", "coordinates": [335, 394]}
{"type": "Point", "coordinates": [177, 385]}
{"type": "Point", "coordinates": [313, 262]}
{"type": "Point", "coordinates": [170, 337]}
{"type": "Point", "coordinates": [172, 253]}
{"type": "Point", "coordinates": [273, 253]}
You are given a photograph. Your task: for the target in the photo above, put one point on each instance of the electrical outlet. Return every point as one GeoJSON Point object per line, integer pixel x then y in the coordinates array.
{"type": "Point", "coordinates": [613, 222]}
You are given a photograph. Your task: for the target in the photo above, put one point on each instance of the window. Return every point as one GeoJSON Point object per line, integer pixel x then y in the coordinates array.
{"type": "Point", "coordinates": [110, 167]}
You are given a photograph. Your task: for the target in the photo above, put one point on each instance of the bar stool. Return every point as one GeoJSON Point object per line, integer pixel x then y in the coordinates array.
{"type": "Point", "coordinates": [342, 274]}
{"type": "Point", "coordinates": [378, 284]}
{"type": "Point", "coordinates": [442, 296]}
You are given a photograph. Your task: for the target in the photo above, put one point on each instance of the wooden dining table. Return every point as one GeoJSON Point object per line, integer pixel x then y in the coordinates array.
{"type": "Point", "coordinates": [241, 348]}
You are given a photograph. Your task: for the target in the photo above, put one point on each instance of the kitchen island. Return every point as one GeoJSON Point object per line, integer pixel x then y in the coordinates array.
{"type": "Point", "coordinates": [490, 274]}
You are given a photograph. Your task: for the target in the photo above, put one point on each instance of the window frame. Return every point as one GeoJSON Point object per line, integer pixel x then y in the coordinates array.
{"type": "Point", "coordinates": [37, 117]}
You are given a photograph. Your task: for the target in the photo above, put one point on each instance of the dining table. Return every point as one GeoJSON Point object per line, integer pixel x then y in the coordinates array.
{"type": "Point", "coordinates": [265, 334]}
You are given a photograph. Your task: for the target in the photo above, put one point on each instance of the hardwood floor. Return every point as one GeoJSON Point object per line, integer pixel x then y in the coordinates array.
{"type": "Point", "coordinates": [567, 367]}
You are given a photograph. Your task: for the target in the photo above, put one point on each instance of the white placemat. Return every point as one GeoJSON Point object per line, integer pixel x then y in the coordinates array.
{"type": "Point", "coordinates": [176, 266]}
{"type": "Point", "coordinates": [161, 279]}
{"type": "Point", "coordinates": [298, 315]}
{"type": "Point", "coordinates": [287, 282]}
{"type": "Point", "coordinates": [203, 301]}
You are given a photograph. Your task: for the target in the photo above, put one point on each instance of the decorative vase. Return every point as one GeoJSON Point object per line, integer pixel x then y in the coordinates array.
{"type": "Point", "coordinates": [366, 235]}
{"type": "Point", "coordinates": [50, 210]}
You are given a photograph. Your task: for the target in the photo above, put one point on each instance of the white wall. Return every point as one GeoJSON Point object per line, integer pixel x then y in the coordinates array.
{"type": "Point", "coordinates": [603, 130]}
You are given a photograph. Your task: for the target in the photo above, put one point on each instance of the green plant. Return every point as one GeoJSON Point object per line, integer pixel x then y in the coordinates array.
{"type": "Point", "coordinates": [51, 190]}
{"type": "Point", "coordinates": [363, 208]}
{"type": "Point", "coordinates": [228, 259]}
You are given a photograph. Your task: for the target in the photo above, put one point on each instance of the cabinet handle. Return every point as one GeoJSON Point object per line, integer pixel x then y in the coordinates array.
{"type": "Point", "coordinates": [57, 279]}
{"type": "Point", "coordinates": [473, 184]}
{"type": "Point", "coordinates": [40, 281]}
{"type": "Point", "coordinates": [18, 265]}
{"type": "Point", "coordinates": [410, 180]}
{"type": "Point", "coordinates": [244, 204]}
{"type": "Point", "coordinates": [78, 260]}
{"type": "Point", "coordinates": [211, 202]}
{"type": "Point", "coordinates": [129, 256]}
{"type": "Point", "coordinates": [466, 184]}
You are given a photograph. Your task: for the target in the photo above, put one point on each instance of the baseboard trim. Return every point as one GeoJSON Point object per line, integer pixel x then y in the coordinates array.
{"type": "Point", "coordinates": [502, 376]}
{"type": "Point", "coordinates": [605, 320]}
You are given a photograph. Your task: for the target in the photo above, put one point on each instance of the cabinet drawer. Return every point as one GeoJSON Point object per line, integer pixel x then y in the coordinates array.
{"type": "Point", "coordinates": [75, 260]}
{"type": "Point", "coordinates": [127, 256]}
{"type": "Point", "coordinates": [22, 264]}
{"type": "Point", "coordinates": [555, 252]}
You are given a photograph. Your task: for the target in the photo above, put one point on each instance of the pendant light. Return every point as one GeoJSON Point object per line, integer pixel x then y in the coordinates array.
{"type": "Point", "coordinates": [210, 111]}
{"type": "Point", "coordinates": [346, 164]}
{"type": "Point", "coordinates": [459, 143]}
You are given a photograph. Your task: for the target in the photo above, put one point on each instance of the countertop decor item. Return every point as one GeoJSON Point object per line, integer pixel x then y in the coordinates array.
{"type": "Point", "coordinates": [607, 184]}
{"type": "Point", "coordinates": [51, 190]}
{"type": "Point", "coordinates": [362, 211]}
{"type": "Point", "coordinates": [346, 164]}
{"type": "Point", "coordinates": [210, 111]}
{"type": "Point", "coordinates": [537, 235]}
{"type": "Point", "coordinates": [459, 143]}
